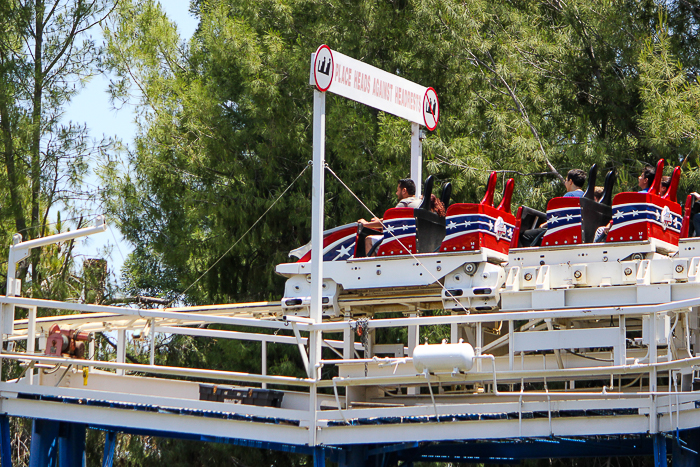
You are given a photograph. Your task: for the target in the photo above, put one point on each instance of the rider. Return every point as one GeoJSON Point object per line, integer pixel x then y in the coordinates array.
{"type": "Point", "coordinates": [646, 178]}
{"type": "Point", "coordinates": [574, 182]}
{"type": "Point", "coordinates": [406, 194]}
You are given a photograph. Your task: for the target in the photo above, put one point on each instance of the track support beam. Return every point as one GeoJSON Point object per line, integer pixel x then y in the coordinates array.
{"type": "Point", "coordinates": [110, 445]}
{"type": "Point", "coordinates": [44, 445]}
{"type": "Point", "coordinates": [71, 445]}
{"type": "Point", "coordinates": [5, 442]}
{"type": "Point", "coordinates": [660, 450]}
{"type": "Point", "coordinates": [319, 457]}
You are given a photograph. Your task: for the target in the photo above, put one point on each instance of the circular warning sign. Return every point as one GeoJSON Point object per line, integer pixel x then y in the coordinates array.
{"type": "Point", "coordinates": [323, 68]}
{"type": "Point", "coordinates": [431, 109]}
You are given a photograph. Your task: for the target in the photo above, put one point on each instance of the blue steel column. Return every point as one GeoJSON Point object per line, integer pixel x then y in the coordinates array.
{"type": "Point", "coordinates": [5, 443]}
{"type": "Point", "coordinates": [71, 445]}
{"type": "Point", "coordinates": [44, 445]}
{"type": "Point", "coordinates": [660, 450]}
{"type": "Point", "coordinates": [319, 457]}
{"type": "Point", "coordinates": [355, 456]}
{"type": "Point", "coordinates": [685, 449]}
{"type": "Point", "coordinates": [110, 444]}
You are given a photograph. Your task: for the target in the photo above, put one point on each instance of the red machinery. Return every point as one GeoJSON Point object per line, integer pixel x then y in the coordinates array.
{"type": "Point", "coordinates": [66, 342]}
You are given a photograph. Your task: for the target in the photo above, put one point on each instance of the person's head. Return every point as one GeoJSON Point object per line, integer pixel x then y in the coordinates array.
{"type": "Point", "coordinates": [406, 189]}
{"type": "Point", "coordinates": [598, 193]}
{"type": "Point", "coordinates": [437, 206]}
{"type": "Point", "coordinates": [575, 179]}
{"type": "Point", "coordinates": [647, 177]}
{"type": "Point", "coordinates": [665, 184]}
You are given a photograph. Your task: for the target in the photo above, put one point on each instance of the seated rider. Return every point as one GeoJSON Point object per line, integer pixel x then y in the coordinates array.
{"type": "Point", "coordinates": [574, 182]}
{"type": "Point", "coordinates": [646, 178]}
{"type": "Point", "coordinates": [406, 194]}
{"type": "Point", "coordinates": [437, 206]}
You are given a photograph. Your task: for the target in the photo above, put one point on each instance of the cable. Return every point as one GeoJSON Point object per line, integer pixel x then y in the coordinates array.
{"type": "Point", "coordinates": [398, 240]}
{"type": "Point", "coordinates": [586, 356]}
{"type": "Point", "coordinates": [241, 237]}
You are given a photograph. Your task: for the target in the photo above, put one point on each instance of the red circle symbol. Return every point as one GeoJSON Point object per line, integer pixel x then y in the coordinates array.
{"type": "Point", "coordinates": [431, 109]}
{"type": "Point", "coordinates": [323, 68]}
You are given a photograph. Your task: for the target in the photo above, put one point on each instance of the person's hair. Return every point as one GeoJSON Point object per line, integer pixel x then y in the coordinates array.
{"type": "Point", "coordinates": [437, 206]}
{"type": "Point", "coordinates": [666, 181]}
{"type": "Point", "coordinates": [577, 176]}
{"type": "Point", "coordinates": [598, 193]}
{"type": "Point", "coordinates": [649, 173]}
{"type": "Point", "coordinates": [408, 184]}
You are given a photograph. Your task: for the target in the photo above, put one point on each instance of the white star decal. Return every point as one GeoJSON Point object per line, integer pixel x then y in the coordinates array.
{"type": "Point", "coordinates": [405, 227]}
{"type": "Point", "coordinates": [657, 214]}
{"type": "Point", "coordinates": [490, 224]}
{"type": "Point", "coordinates": [343, 251]}
{"type": "Point", "coordinates": [635, 213]}
{"type": "Point", "coordinates": [389, 228]}
{"type": "Point", "coordinates": [569, 217]}
{"type": "Point", "coordinates": [618, 215]}
{"type": "Point", "coordinates": [452, 225]}
{"type": "Point", "coordinates": [553, 219]}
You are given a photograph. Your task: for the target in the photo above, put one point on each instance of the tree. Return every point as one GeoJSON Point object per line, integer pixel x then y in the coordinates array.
{"type": "Point", "coordinates": [46, 54]}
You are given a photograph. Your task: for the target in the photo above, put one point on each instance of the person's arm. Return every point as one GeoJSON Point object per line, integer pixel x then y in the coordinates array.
{"type": "Point", "coordinates": [375, 223]}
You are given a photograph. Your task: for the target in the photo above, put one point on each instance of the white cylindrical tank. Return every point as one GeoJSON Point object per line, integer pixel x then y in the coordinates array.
{"type": "Point", "coordinates": [440, 358]}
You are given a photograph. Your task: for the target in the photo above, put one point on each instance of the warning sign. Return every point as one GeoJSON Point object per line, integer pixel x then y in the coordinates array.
{"type": "Point", "coordinates": [335, 72]}
{"type": "Point", "coordinates": [323, 68]}
{"type": "Point", "coordinates": [431, 109]}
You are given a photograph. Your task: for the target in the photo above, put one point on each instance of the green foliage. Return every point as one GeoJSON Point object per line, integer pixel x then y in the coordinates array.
{"type": "Point", "coordinates": [46, 54]}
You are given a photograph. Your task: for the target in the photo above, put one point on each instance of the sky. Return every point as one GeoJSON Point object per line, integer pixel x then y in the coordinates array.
{"type": "Point", "coordinates": [92, 107]}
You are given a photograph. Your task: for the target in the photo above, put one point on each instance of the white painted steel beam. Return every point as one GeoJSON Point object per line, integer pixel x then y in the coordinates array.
{"type": "Point", "coordinates": [163, 370]}
{"type": "Point", "coordinates": [139, 420]}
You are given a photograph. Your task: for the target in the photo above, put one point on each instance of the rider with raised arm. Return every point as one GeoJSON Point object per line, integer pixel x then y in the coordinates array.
{"type": "Point", "coordinates": [406, 194]}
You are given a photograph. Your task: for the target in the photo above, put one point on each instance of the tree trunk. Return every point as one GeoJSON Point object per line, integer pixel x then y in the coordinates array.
{"type": "Point", "coordinates": [35, 145]}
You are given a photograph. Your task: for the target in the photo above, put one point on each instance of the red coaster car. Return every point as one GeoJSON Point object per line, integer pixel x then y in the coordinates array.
{"type": "Point", "coordinates": [471, 226]}
{"type": "Point", "coordinates": [648, 216]}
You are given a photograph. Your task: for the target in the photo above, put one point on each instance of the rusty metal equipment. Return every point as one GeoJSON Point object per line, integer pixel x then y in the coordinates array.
{"type": "Point", "coordinates": [66, 342]}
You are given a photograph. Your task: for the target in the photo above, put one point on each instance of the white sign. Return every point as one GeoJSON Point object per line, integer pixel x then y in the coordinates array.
{"type": "Point", "coordinates": [323, 68]}
{"type": "Point", "coordinates": [431, 109]}
{"type": "Point", "coordinates": [347, 77]}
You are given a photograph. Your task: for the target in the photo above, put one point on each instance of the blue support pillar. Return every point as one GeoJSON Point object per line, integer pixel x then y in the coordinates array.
{"type": "Point", "coordinates": [5, 442]}
{"type": "Point", "coordinates": [660, 450]}
{"type": "Point", "coordinates": [110, 444]}
{"type": "Point", "coordinates": [319, 457]}
{"type": "Point", "coordinates": [685, 448]}
{"type": "Point", "coordinates": [44, 445]}
{"type": "Point", "coordinates": [354, 456]}
{"type": "Point", "coordinates": [71, 445]}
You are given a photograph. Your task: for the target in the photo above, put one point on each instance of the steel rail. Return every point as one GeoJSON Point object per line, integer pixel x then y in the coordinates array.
{"type": "Point", "coordinates": [508, 375]}
{"type": "Point", "coordinates": [163, 370]}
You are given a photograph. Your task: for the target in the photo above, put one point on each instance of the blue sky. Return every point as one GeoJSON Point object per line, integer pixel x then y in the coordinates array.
{"type": "Point", "coordinates": [93, 108]}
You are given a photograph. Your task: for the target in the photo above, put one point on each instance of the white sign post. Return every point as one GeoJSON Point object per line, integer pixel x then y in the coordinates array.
{"type": "Point", "coordinates": [337, 73]}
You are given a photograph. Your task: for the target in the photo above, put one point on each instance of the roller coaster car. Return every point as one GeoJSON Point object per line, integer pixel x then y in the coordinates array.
{"type": "Point", "coordinates": [689, 243]}
{"type": "Point", "coordinates": [465, 250]}
{"type": "Point", "coordinates": [645, 232]}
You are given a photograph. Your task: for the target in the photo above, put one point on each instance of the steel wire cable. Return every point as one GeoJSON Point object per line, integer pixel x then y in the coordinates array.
{"type": "Point", "coordinates": [241, 237]}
